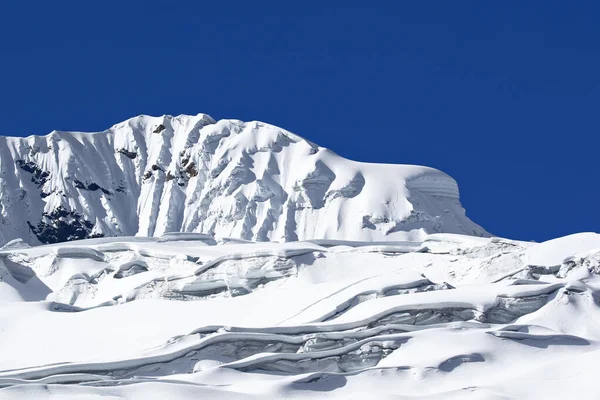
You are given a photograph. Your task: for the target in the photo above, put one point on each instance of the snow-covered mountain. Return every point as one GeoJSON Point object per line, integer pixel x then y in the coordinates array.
{"type": "Point", "coordinates": [197, 299]}
{"type": "Point", "coordinates": [150, 175]}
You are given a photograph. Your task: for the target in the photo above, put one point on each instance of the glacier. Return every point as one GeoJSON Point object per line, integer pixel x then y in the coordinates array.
{"type": "Point", "coordinates": [148, 176]}
{"type": "Point", "coordinates": [185, 258]}
{"type": "Point", "coordinates": [187, 316]}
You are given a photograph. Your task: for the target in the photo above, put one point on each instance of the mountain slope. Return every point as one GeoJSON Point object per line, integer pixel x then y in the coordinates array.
{"type": "Point", "coordinates": [150, 175]}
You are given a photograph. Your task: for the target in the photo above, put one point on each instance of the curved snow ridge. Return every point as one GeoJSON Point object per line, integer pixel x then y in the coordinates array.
{"type": "Point", "coordinates": [483, 301]}
{"type": "Point", "coordinates": [79, 252]}
{"type": "Point", "coordinates": [391, 342]}
{"type": "Point", "coordinates": [261, 253]}
{"type": "Point", "coordinates": [65, 373]}
{"type": "Point", "coordinates": [308, 346]}
{"type": "Point", "coordinates": [149, 176]}
{"type": "Point", "coordinates": [371, 346]}
{"type": "Point", "coordinates": [168, 353]}
{"type": "Point", "coordinates": [515, 333]}
{"type": "Point", "coordinates": [368, 289]}
{"type": "Point", "coordinates": [437, 185]}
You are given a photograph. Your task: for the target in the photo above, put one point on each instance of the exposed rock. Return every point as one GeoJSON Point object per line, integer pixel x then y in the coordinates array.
{"type": "Point", "coordinates": [62, 225]}
{"type": "Point", "coordinates": [191, 170]}
{"type": "Point", "coordinates": [127, 153]}
{"type": "Point", "coordinates": [92, 186]}
{"type": "Point", "coordinates": [38, 176]}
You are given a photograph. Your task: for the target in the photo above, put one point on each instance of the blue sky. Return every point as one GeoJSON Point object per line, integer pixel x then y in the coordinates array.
{"type": "Point", "coordinates": [503, 96]}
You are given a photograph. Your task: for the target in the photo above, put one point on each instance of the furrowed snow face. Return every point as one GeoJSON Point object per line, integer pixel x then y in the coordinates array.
{"type": "Point", "coordinates": [151, 175]}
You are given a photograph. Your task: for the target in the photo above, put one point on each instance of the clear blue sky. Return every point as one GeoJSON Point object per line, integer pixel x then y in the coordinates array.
{"type": "Point", "coordinates": [503, 96]}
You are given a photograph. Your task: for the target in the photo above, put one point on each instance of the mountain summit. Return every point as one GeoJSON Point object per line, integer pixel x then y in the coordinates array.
{"type": "Point", "coordinates": [148, 176]}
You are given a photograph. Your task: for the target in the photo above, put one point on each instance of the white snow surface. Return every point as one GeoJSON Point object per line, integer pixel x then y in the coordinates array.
{"type": "Point", "coordinates": [149, 176]}
{"type": "Point", "coordinates": [187, 316]}
{"type": "Point", "coordinates": [233, 260]}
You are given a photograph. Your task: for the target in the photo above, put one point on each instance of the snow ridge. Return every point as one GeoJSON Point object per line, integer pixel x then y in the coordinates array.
{"type": "Point", "coordinates": [148, 176]}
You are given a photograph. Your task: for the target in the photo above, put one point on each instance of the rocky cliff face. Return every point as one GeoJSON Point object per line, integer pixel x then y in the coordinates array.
{"type": "Point", "coordinates": [151, 175]}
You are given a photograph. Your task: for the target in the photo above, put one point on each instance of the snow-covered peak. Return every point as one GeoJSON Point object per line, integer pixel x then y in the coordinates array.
{"type": "Point", "coordinates": [151, 175]}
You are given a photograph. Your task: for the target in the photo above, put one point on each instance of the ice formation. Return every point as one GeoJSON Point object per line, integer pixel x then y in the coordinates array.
{"type": "Point", "coordinates": [148, 176]}
{"type": "Point", "coordinates": [188, 316]}
{"type": "Point", "coordinates": [231, 260]}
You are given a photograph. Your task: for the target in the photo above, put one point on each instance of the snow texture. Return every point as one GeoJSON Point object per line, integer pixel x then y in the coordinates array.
{"type": "Point", "coordinates": [186, 316]}
{"type": "Point", "coordinates": [232, 260]}
{"type": "Point", "coordinates": [149, 176]}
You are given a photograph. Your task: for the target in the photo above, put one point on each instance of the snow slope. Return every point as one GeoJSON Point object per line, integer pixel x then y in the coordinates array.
{"type": "Point", "coordinates": [151, 175]}
{"type": "Point", "coordinates": [231, 260]}
{"type": "Point", "coordinates": [185, 316]}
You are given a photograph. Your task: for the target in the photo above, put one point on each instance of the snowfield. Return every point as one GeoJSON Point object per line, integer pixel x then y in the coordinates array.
{"type": "Point", "coordinates": [187, 316]}
{"type": "Point", "coordinates": [186, 258]}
